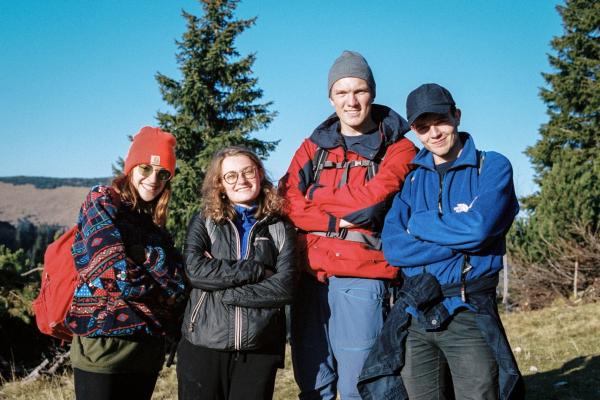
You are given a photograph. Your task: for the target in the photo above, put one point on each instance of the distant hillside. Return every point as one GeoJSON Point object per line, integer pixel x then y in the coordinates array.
{"type": "Point", "coordinates": [42, 182]}
{"type": "Point", "coordinates": [57, 206]}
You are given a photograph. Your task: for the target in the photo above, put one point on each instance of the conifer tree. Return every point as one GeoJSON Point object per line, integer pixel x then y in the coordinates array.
{"type": "Point", "coordinates": [553, 249]}
{"type": "Point", "coordinates": [214, 105]}
{"type": "Point", "coordinates": [567, 156]}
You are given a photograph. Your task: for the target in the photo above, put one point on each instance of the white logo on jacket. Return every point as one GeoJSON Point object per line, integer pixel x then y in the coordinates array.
{"type": "Point", "coordinates": [462, 207]}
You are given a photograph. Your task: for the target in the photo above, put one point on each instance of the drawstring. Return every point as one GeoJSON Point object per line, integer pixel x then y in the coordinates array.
{"type": "Point", "coordinates": [466, 267]}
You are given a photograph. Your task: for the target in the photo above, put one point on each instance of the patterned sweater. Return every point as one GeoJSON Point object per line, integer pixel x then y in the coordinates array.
{"type": "Point", "coordinates": [131, 277]}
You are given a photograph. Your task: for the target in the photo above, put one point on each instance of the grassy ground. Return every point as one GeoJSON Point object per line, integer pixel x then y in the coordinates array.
{"type": "Point", "coordinates": [558, 351]}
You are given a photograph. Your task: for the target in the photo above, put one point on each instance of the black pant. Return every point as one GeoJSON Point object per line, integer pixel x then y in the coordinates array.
{"type": "Point", "coordinates": [224, 375]}
{"type": "Point", "coordinates": [96, 386]}
{"type": "Point", "coordinates": [462, 349]}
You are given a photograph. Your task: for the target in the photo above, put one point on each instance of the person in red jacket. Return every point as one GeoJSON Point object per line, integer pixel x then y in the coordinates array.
{"type": "Point", "coordinates": [339, 186]}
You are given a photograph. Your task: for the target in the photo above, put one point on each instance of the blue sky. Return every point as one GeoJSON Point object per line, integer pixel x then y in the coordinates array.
{"type": "Point", "coordinates": [77, 76]}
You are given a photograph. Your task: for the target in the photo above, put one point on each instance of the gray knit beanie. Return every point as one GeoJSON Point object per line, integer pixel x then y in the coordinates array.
{"type": "Point", "coordinates": [350, 64]}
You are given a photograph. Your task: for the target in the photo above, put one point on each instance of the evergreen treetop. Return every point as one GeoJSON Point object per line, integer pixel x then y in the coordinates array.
{"type": "Point", "coordinates": [566, 157]}
{"type": "Point", "coordinates": [573, 92]}
{"type": "Point", "coordinates": [215, 103]}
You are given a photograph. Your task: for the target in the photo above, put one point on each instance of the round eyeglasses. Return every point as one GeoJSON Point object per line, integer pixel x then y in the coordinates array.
{"type": "Point", "coordinates": [232, 177]}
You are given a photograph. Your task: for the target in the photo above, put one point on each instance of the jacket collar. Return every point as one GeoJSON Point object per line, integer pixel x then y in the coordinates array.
{"type": "Point", "coordinates": [245, 212]}
{"type": "Point", "coordinates": [392, 128]}
{"type": "Point", "coordinates": [467, 157]}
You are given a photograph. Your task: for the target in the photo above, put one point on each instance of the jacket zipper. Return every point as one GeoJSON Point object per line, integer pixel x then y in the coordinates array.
{"type": "Point", "coordinates": [441, 186]}
{"type": "Point", "coordinates": [237, 325]}
{"type": "Point", "coordinates": [441, 178]}
{"type": "Point", "coordinates": [466, 266]}
{"type": "Point", "coordinates": [195, 312]}
{"type": "Point", "coordinates": [237, 345]}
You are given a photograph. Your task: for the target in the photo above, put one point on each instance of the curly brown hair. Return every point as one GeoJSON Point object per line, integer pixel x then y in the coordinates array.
{"type": "Point", "coordinates": [216, 204]}
{"type": "Point", "coordinates": [158, 208]}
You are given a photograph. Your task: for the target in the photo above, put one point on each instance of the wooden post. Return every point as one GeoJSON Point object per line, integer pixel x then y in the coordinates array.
{"type": "Point", "coordinates": [505, 281]}
{"type": "Point", "coordinates": [575, 277]}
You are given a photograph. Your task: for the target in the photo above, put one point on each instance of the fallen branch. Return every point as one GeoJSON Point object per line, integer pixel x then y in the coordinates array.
{"type": "Point", "coordinates": [31, 271]}
{"type": "Point", "coordinates": [37, 372]}
{"type": "Point", "coordinates": [47, 367]}
{"type": "Point", "coordinates": [59, 361]}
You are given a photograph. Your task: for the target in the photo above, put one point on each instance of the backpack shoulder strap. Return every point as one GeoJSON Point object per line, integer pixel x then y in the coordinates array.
{"type": "Point", "coordinates": [115, 196]}
{"type": "Point", "coordinates": [374, 165]}
{"type": "Point", "coordinates": [277, 232]}
{"type": "Point", "coordinates": [318, 162]}
{"type": "Point", "coordinates": [211, 228]}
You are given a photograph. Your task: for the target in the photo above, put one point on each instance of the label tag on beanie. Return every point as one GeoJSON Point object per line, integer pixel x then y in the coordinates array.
{"type": "Point", "coordinates": [155, 160]}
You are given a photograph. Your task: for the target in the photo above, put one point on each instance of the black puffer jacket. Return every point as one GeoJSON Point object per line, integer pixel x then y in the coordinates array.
{"type": "Point", "coordinates": [232, 305]}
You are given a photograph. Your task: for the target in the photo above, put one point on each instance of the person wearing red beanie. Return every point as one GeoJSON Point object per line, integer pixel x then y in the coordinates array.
{"type": "Point", "coordinates": [131, 291]}
{"type": "Point", "coordinates": [152, 146]}
{"type": "Point", "coordinates": [151, 150]}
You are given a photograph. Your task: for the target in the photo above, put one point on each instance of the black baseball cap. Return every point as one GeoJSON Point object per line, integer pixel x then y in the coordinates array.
{"type": "Point", "coordinates": [428, 98]}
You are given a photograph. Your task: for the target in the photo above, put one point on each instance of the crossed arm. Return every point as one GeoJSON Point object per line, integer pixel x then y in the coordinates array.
{"type": "Point", "coordinates": [488, 217]}
{"type": "Point", "coordinates": [102, 253]}
{"type": "Point", "coordinates": [330, 207]}
{"type": "Point", "coordinates": [419, 238]}
{"type": "Point", "coordinates": [245, 282]}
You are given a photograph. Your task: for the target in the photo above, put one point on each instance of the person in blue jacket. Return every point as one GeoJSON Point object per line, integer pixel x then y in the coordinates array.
{"type": "Point", "coordinates": [446, 230]}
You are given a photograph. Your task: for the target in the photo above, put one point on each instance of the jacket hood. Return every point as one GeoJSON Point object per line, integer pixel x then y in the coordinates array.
{"type": "Point", "coordinates": [467, 157]}
{"type": "Point", "coordinates": [392, 128]}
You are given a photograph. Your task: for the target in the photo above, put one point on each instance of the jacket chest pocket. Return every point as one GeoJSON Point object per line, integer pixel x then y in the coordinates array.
{"type": "Point", "coordinates": [264, 250]}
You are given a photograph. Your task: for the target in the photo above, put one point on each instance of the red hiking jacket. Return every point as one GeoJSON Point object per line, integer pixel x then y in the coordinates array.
{"type": "Point", "coordinates": [363, 202]}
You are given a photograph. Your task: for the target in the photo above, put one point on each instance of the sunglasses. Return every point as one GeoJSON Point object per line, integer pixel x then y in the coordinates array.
{"type": "Point", "coordinates": [232, 176]}
{"type": "Point", "coordinates": [146, 170]}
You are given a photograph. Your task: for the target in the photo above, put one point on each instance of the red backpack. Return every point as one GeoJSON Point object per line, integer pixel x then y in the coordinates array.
{"type": "Point", "coordinates": [59, 279]}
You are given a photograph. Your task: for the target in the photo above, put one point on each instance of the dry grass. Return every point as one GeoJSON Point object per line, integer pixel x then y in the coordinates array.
{"type": "Point", "coordinates": [41, 206]}
{"type": "Point", "coordinates": [285, 386]}
{"type": "Point", "coordinates": [558, 351]}
{"type": "Point", "coordinates": [557, 348]}
{"type": "Point", "coordinates": [61, 387]}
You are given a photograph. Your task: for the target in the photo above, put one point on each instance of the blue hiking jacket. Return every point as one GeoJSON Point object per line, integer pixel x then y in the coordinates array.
{"type": "Point", "coordinates": [433, 222]}
{"type": "Point", "coordinates": [428, 231]}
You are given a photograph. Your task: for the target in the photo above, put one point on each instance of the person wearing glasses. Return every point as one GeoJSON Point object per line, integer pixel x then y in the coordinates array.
{"type": "Point", "coordinates": [240, 262]}
{"type": "Point", "coordinates": [131, 290]}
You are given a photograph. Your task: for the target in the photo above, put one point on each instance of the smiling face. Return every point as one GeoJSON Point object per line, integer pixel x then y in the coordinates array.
{"type": "Point", "coordinates": [240, 179]}
{"type": "Point", "coordinates": [439, 134]}
{"type": "Point", "coordinates": [352, 99]}
{"type": "Point", "coordinates": [148, 185]}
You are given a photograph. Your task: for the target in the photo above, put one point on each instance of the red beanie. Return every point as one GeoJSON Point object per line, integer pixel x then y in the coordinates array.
{"type": "Point", "coordinates": [151, 146]}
